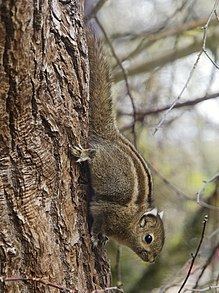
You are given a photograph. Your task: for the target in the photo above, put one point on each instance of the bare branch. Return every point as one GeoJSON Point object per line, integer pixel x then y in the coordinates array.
{"type": "Point", "coordinates": [152, 38]}
{"type": "Point", "coordinates": [156, 30]}
{"type": "Point", "coordinates": [162, 60]}
{"type": "Point", "coordinates": [200, 201]}
{"type": "Point", "coordinates": [209, 57]}
{"type": "Point", "coordinates": [169, 184]}
{"type": "Point", "coordinates": [196, 253]}
{"type": "Point", "coordinates": [215, 232]}
{"type": "Point", "coordinates": [180, 94]}
{"type": "Point", "coordinates": [215, 12]}
{"type": "Point", "coordinates": [193, 68]}
{"type": "Point", "coordinates": [203, 289]}
{"type": "Point", "coordinates": [140, 115]}
{"type": "Point", "coordinates": [105, 290]}
{"type": "Point", "coordinates": [206, 265]}
{"type": "Point", "coordinates": [212, 74]}
{"type": "Point", "coordinates": [176, 283]}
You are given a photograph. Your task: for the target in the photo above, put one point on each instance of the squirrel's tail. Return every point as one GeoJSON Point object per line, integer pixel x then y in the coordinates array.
{"type": "Point", "coordinates": [102, 119]}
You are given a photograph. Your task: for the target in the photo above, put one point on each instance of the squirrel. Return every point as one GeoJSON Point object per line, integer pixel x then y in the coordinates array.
{"type": "Point", "coordinates": [122, 205]}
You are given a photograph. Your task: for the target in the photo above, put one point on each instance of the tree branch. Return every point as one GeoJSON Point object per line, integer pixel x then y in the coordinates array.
{"type": "Point", "coordinates": [196, 253]}
{"type": "Point", "coordinates": [150, 39]}
{"type": "Point", "coordinates": [200, 201]}
{"type": "Point", "coordinates": [203, 289]}
{"type": "Point", "coordinates": [206, 265]}
{"type": "Point", "coordinates": [203, 50]}
{"type": "Point", "coordinates": [162, 60]}
{"type": "Point", "coordinates": [109, 289]}
{"type": "Point", "coordinates": [169, 184]}
{"type": "Point", "coordinates": [141, 115]}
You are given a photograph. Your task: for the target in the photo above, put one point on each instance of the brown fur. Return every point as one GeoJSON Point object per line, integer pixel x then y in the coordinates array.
{"type": "Point", "coordinates": [120, 177]}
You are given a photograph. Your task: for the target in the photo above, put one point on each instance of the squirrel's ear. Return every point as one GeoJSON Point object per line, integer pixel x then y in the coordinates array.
{"type": "Point", "coordinates": [143, 219]}
{"type": "Point", "coordinates": [151, 212]}
{"type": "Point", "coordinates": [161, 214]}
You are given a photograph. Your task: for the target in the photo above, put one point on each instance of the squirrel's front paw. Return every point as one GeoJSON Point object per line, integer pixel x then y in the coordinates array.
{"type": "Point", "coordinates": [82, 154]}
{"type": "Point", "coordinates": [99, 239]}
{"type": "Point", "coordinates": [104, 239]}
{"type": "Point", "coordinates": [94, 240]}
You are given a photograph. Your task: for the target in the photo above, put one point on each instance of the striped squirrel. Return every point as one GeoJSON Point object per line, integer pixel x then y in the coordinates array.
{"type": "Point", "coordinates": [122, 205]}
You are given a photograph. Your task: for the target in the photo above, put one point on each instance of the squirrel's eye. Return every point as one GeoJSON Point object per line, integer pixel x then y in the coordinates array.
{"type": "Point", "coordinates": [148, 238]}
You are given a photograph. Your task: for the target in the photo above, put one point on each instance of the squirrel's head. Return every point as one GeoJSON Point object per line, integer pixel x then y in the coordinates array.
{"type": "Point", "coordinates": [150, 235]}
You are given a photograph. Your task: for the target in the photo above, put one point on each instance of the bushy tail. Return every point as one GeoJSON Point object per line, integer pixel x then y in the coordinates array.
{"type": "Point", "coordinates": [102, 120]}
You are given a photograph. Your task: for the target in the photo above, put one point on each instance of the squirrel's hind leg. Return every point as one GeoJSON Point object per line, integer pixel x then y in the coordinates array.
{"type": "Point", "coordinates": [98, 237]}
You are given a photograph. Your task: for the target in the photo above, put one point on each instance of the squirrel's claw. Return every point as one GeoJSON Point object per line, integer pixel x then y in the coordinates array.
{"type": "Point", "coordinates": [104, 239]}
{"type": "Point", "coordinates": [82, 154]}
{"type": "Point", "coordinates": [99, 239]}
{"type": "Point", "coordinates": [94, 240]}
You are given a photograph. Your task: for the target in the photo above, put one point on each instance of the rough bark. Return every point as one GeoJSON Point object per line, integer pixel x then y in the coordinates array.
{"type": "Point", "coordinates": [43, 111]}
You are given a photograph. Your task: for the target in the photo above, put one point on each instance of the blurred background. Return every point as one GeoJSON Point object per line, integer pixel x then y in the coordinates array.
{"type": "Point", "coordinates": [164, 53]}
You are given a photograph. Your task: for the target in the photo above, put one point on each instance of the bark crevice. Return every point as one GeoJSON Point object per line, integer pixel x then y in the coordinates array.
{"type": "Point", "coordinates": [43, 111]}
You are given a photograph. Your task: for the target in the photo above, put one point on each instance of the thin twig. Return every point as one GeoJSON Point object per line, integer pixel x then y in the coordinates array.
{"type": "Point", "coordinates": [151, 38]}
{"type": "Point", "coordinates": [169, 184]}
{"type": "Point", "coordinates": [37, 280]}
{"type": "Point", "coordinates": [141, 115]}
{"type": "Point", "coordinates": [196, 253]}
{"type": "Point", "coordinates": [215, 12]}
{"type": "Point", "coordinates": [215, 232]}
{"type": "Point", "coordinates": [108, 289]}
{"type": "Point", "coordinates": [175, 283]}
{"type": "Point", "coordinates": [199, 199]}
{"type": "Point", "coordinates": [203, 50]}
{"type": "Point", "coordinates": [124, 76]}
{"type": "Point", "coordinates": [179, 96]}
{"type": "Point", "coordinates": [203, 289]}
{"type": "Point", "coordinates": [206, 265]}
{"type": "Point", "coordinates": [212, 75]}
{"type": "Point", "coordinates": [205, 35]}
{"type": "Point", "coordinates": [154, 30]}
{"type": "Point", "coordinates": [212, 61]}
{"type": "Point", "coordinates": [168, 56]}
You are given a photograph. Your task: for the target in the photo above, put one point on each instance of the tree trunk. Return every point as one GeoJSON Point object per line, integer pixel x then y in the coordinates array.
{"type": "Point", "coordinates": [43, 111]}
